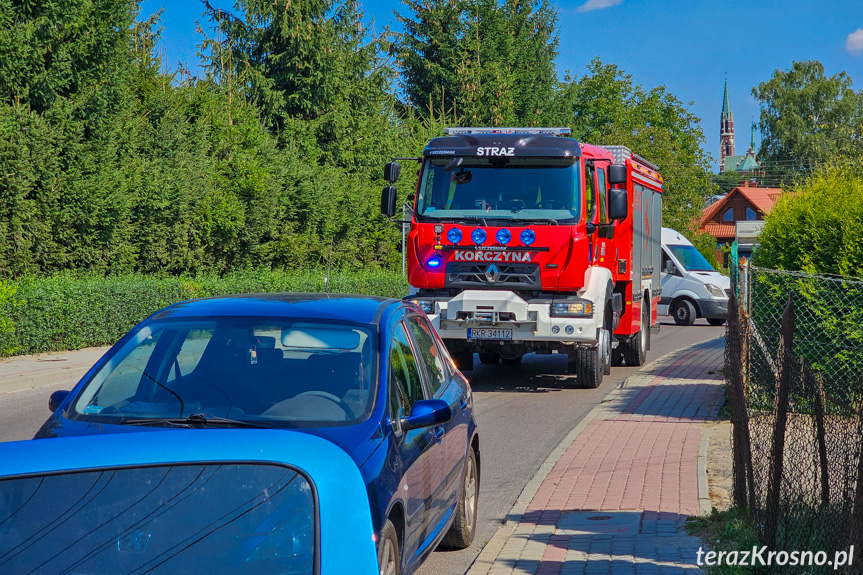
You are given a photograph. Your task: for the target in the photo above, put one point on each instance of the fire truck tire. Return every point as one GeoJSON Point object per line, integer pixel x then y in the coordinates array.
{"type": "Point", "coordinates": [463, 360]}
{"type": "Point", "coordinates": [635, 349]}
{"type": "Point", "coordinates": [683, 312]}
{"type": "Point", "coordinates": [617, 355]}
{"type": "Point", "coordinates": [511, 360]}
{"type": "Point", "coordinates": [586, 364]}
{"type": "Point", "coordinates": [489, 357]}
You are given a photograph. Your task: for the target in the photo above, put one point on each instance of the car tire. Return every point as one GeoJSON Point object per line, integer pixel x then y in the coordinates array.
{"type": "Point", "coordinates": [489, 358]}
{"type": "Point", "coordinates": [511, 360]}
{"type": "Point", "coordinates": [683, 312]}
{"type": "Point", "coordinates": [463, 529]}
{"type": "Point", "coordinates": [635, 349]}
{"type": "Point", "coordinates": [716, 320]}
{"type": "Point", "coordinates": [389, 558]}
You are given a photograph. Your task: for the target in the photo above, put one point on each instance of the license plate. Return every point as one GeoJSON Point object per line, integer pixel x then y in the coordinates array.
{"type": "Point", "coordinates": [486, 333]}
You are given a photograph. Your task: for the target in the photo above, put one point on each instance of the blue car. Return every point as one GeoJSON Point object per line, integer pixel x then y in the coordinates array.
{"type": "Point", "coordinates": [184, 501]}
{"type": "Point", "coordinates": [368, 374]}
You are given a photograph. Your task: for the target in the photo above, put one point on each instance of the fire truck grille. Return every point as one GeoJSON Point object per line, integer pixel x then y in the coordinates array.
{"type": "Point", "coordinates": [496, 275]}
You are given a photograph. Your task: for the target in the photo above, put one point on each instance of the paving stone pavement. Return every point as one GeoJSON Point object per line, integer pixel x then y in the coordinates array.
{"type": "Point", "coordinates": [616, 500]}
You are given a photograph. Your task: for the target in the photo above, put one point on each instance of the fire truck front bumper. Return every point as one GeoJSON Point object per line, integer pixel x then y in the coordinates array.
{"type": "Point", "coordinates": [487, 317]}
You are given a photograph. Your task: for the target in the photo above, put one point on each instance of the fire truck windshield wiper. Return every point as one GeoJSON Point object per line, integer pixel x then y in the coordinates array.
{"type": "Point", "coordinates": [537, 220]}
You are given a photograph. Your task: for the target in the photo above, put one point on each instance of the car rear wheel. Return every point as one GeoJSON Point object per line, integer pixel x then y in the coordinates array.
{"type": "Point", "coordinates": [388, 551]}
{"type": "Point", "coordinates": [461, 534]}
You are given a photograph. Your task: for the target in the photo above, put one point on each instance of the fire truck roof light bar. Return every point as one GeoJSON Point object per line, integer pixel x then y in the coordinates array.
{"type": "Point", "coordinates": [539, 131]}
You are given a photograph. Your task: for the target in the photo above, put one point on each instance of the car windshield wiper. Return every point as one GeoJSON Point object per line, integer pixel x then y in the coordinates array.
{"type": "Point", "coordinates": [193, 420]}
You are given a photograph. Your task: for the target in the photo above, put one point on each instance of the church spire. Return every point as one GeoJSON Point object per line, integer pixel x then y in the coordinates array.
{"type": "Point", "coordinates": [726, 107]}
{"type": "Point", "coordinates": [726, 131]}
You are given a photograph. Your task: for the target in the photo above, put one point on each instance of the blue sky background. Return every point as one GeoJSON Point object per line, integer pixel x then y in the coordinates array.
{"type": "Point", "coordinates": [689, 46]}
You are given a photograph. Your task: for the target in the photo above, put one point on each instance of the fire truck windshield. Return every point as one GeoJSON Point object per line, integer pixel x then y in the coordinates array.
{"type": "Point", "coordinates": [512, 188]}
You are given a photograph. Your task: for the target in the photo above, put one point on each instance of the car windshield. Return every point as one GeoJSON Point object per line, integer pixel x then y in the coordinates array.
{"type": "Point", "coordinates": [290, 373]}
{"type": "Point", "coordinates": [500, 188]}
{"type": "Point", "coordinates": [691, 258]}
{"type": "Point", "coordinates": [213, 518]}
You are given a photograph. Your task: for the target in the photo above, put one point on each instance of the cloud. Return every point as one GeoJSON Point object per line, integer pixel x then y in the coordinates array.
{"type": "Point", "coordinates": [853, 44]}
{"type": "Point", "coordinates": [599, 4]}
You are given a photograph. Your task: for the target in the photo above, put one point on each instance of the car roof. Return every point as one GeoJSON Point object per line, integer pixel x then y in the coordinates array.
{"type": "Point", "coordinates": [357, 308]}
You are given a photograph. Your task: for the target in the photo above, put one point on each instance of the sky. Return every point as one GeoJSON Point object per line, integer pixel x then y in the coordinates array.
{"type": "Point", "coordinates": [689, 46]}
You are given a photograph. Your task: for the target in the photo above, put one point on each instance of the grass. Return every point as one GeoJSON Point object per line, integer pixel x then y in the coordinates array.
{"type": "Point", "coordinates": [730, 530]}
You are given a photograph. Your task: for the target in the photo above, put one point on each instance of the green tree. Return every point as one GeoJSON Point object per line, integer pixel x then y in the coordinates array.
{"type": "Point", "coordinates": [489, 62]}
{"type": "Point", "coordinates": [807, 118]}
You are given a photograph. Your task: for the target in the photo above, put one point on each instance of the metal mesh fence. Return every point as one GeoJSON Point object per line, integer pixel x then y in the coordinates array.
{"type": "Point", "coordinates": [794, 359]}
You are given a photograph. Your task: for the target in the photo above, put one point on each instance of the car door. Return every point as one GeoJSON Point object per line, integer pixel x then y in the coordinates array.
{"type": "Point", "coordinates": [414, 448]}
{"type": "Point", "coordinates": [449, 456]}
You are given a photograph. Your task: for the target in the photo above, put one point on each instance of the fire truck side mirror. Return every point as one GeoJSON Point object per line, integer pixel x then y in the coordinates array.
{"type": "Point", "coordinates": [617, 174]}
{"type": "Point", "coordinates": [388, 201]}
{"type": "Point", "coordinates": [392, 171]}
{"type": "Point", "coordinates": [618, 204]}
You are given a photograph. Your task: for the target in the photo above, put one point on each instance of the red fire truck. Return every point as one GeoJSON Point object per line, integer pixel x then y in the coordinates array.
{"type": "Point", "coordinates": [524, 240]}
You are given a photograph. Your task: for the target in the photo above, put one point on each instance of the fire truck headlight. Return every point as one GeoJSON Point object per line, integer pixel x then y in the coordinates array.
{"type": "Point", "coordinates": [503, 236]}
{"type": "Point", "coordinates": [572, 309]}
{"type": "Point", "coordinates": [433, 262]}
{"type": "Point", "coordinates": [454, 235]}
{"type": "Point", "coordinates": [426, 305]}
{"type": "Point", "coordinates": [715, 291]}
{"type": "Point", "coordinates": [478, 236]}
{"type": "Point", "coordinates": [528, 237]}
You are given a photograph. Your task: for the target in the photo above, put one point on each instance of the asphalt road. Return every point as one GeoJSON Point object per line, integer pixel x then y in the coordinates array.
{"type": "Point", "coordinates": [523, 412]}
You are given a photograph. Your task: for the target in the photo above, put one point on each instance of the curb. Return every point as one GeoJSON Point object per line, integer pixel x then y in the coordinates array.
{"type": "Point", "coordinates": [484, 561]}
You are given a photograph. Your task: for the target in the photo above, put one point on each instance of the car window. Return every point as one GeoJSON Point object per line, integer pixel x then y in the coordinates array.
{"type": "Point", "coordinates": [295, 373]}
{"type": "Point", "coordinates": [201, 518]}
{"type": "Point", "coordinates": [404, 371]}
{"type": "Point", "coordinates": [432, 358]}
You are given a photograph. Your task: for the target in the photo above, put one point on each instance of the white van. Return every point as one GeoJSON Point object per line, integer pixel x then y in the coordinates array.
{"type": "Point", "coordinates": [691, 288]}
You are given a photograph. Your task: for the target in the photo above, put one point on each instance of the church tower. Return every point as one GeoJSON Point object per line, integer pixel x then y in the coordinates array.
{"type": "Point", "coordinates": [726, 131]}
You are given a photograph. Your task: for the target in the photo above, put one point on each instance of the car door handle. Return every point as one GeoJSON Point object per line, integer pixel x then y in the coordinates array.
{"type": "Point", "coordinates": [438, 433]}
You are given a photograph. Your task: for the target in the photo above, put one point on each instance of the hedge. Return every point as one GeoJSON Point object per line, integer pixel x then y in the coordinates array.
{"type": "Point", "coordinates": [71, 311]}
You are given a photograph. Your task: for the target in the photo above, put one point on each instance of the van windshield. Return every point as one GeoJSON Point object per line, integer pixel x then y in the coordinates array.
{"type": "Point", "coordinates": [500, 188]}
{"type": "Point", "coordinates": [691, 259]}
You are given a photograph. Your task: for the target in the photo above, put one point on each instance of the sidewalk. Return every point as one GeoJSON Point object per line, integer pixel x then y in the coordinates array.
{"type": "Point", "coordinates": [612, 499]}
{"type": "Point", "coordinates": [59, 369]}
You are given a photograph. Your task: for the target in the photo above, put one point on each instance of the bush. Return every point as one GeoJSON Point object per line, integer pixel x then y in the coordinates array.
{"type": "Point", "coordinates": [71, 311]}
{"type": "Point", "coordinates": [818, 227]}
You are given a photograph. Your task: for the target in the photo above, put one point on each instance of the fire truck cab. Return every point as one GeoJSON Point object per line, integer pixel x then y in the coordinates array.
{"type": "Point", "coordinates": [525, 240]}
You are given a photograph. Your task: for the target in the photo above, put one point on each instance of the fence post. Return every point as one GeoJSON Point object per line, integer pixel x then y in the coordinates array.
{"type": "Point", "coordinates": [821, 432]}
{"type": "Point", "coordinates": [780, 408]}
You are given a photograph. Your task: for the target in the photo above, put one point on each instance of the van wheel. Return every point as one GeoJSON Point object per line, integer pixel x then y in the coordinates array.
{"type": "Point", "coordinates": [683, 312]}
{"type": "Point", "coordinates": [389, 559]}
{"type": "Point", "coordinates": [463, 529]}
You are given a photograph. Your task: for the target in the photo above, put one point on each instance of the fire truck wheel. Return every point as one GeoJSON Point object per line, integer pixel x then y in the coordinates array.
{"type": "Point", "coordinates": [463, 360]}
{"type": "Point", "coordinates": [635, 349]}
{"type": "Point", "coordinates": [511, 360]}
{"type": "Point", "coordinates": [586, 364]}
{"type": "Point", "coordinates": [683, 312]}
{"type": "Point", "coordinates": [489, 357]}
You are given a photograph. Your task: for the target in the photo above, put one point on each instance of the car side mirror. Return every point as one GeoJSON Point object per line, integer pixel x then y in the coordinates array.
{"type": "Point", "coordinates": [392, 171]}
{"type": "Point", "coordinates": [426, 413]}
{"type": "Point", "coordinates": [388, 201]}
{"type": "Point", "coordinates": [56, 399]}
{"type": "Point", "coordinates": [618, 204]}
{"type": "Point", "coordinates": [617, 174]}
